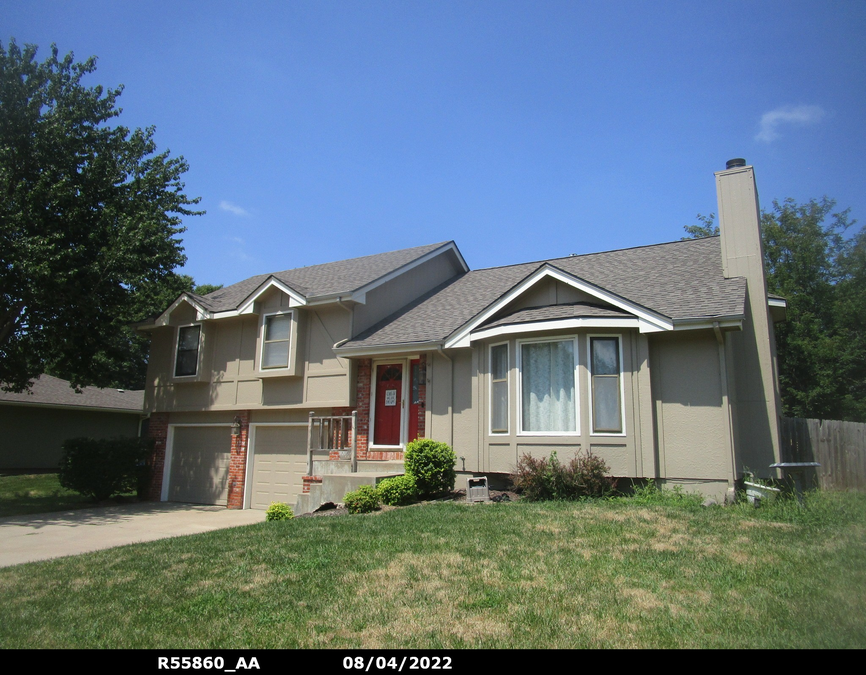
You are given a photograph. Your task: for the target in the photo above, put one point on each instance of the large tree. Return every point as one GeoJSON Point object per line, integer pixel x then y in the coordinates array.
{"type": "Point", "coordinates": [89, 218]}
{"type": "Point", "coordinates": [820, 269]}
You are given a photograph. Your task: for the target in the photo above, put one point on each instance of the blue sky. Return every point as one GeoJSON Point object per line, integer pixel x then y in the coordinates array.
{"type": "Point", "coordinates": [317, 131]}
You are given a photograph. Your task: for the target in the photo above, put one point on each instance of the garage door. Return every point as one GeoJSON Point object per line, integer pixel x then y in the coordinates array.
{"type": "Point", "coordinates": [279, 465]}
{"type": "Point", "coordinates": [200, 465]}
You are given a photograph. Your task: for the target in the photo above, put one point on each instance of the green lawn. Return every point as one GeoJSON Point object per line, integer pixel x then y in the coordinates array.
{"type": "Point", "coordinates": [36, 493]}
{"type": "Point", "coordinates": [601, 575]}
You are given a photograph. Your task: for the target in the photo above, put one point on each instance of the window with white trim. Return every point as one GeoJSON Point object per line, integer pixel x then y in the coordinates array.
{"type": "Point", "coordinates": [499, 389]}
{"type": "Point", "coordinates": [188, 341]}
{"type": "Point", "coordinates": [605, 385]}
{"type": "Point", "coordinates": [276, 340]}
{"type": "Point", "coordinates": [548, 387]}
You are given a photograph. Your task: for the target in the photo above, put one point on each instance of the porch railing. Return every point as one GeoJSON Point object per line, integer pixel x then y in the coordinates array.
{"type": "Point", "coordinates": [330, 433]}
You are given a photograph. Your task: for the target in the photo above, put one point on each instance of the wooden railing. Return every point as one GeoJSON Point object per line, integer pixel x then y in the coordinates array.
{"type": "Point", "coordinates": [333, 433]}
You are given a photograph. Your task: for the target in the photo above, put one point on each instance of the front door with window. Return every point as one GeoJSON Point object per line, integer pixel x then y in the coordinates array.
{"type": "Point", "coordinates": [389, 404]}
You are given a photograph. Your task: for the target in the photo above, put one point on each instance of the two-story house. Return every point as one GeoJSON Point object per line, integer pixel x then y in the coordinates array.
{"type": "Point", "coordinates": [659, 359]}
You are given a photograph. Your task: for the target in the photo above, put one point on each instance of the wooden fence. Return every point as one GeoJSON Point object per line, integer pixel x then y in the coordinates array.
{"type": "Point", "coordinates": [840, 448]}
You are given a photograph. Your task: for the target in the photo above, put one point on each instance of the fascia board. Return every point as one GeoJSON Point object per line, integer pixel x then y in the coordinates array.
{"type": "Point", "coordinates": [556, 324]}
{"type": "Point", "coordinates": [201, 313]}
{"type": "Point", "coordinates": [295, 299]}
{"type": "Point", "coordinates": [72, 406]}
{"type": "Point", "coordinates": [450, 246]}
{"type": "Point", "coordinates": [735, 322]}
{"type": "Point", "coordinates": [651, 321]}
{"type": "Point", "coordinates": [408, 348]}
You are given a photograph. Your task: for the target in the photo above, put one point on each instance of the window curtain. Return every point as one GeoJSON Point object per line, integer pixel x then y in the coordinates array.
{"type": "Point", "coordinates": [547, 372]}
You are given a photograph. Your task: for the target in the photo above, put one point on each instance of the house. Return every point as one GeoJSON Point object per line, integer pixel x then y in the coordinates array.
{"type": "Point", "coordinates": [659, 359]}
{"type": "Point", "coordinates": [37, 422]}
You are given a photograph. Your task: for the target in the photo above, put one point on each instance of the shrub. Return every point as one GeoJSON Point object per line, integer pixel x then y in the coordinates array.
{"type": "Point", "coordinates": [547, 479]}
{"type": "Point", "coordinates": [431, 464]}
{"type": "Point", "coordinates": [363, 500]}
{"type": "Point", "coordinates": [106, 467]}
{"type": "Point", "coordinates": [398, 491]}
{"type": "Point", "coordinates": [279, 511]}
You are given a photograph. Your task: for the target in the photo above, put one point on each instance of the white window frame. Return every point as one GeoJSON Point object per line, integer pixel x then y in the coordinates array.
{"type": "Point", "coordinates": [264, 325]}
{"type": "Point", "coordinates": [406, 382]}
{"type": "Point", "coordinates": [507, 389]}
{"type": "Point", "coordinates": [197, 351]}
{"type": "Point", "coordinates": [519, 395]}
{"type": "Point", "coordinates": [619, 338]}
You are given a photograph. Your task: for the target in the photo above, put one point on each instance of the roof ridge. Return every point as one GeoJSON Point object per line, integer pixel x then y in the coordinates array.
{"type": "Point", "coordinates": [587, 255]}
{"type": "Point", "coordinates": [362, 257]}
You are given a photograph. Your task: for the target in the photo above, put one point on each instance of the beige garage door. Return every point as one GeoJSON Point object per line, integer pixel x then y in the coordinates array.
{"type": "Point", "coordinates": [200, 465]}
{"type": "Point", "coordinates": [279, 465]}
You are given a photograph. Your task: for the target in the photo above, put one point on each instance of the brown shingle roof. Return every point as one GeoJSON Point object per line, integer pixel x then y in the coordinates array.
{"type": "Point", "coordinates": [679, 280]}
{"type": "Point", "coordinates": [343, 276]}
{"type": "Point", "coordinates": [48, 390]}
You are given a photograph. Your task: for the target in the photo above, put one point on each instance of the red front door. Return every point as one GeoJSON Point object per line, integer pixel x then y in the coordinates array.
{"type": "Point", "coordinates": [389, 404]}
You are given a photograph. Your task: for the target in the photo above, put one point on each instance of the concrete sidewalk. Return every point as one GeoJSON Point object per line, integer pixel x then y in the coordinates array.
{"type": "Point", "coordinates": [53, 535]}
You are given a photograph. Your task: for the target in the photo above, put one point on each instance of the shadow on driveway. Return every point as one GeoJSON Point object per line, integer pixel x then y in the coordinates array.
{"type": "Point", "coordinates": [53, 535]}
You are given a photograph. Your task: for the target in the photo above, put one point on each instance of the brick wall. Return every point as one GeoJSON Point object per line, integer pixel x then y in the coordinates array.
{"type": "Point", "coordinates": [238, 463]}
{"type": "Point", "coordinates": [157, 430]}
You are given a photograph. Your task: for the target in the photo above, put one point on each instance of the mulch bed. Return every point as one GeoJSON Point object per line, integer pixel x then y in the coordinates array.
{"type": "Point", "coordinates": [331, 509]}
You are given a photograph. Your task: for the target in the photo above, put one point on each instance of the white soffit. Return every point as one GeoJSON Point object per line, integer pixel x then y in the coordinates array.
{"type": "Point", "coordinates": [649, 322]}
{"type": "Point", "coordinates": [557, 324]}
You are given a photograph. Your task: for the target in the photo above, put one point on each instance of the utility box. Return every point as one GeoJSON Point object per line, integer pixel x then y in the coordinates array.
{"type": "Point", "coordinates": [477, 490]}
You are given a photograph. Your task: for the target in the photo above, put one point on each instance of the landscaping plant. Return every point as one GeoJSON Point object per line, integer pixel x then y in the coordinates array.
{"type": "Point", "coordinates": [548, 479]}
{"type": "Point", "coordinates": [398, 491]}
{"type": "Point", "coordinates": [279, 511]}
{"type": "Point", "coordinates": [363, 500]}
{"type": "Point", "coordinates": [105, 467]}
{"type": "Point", "coordinates": [431, 464]}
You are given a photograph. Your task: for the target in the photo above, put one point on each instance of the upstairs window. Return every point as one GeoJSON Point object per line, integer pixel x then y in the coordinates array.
{"type": "Point", "coordinates": [499, 389]}
{"type": "Point", "coordinates": [606, 389]}
{"type": "Point", "coordinates": [188, 339]}
{"type": "Point", "coordinates": [276, 341]}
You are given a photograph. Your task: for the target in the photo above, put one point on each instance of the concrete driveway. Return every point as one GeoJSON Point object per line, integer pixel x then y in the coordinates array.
{"type": "Point", "coordinates": [53, 535]}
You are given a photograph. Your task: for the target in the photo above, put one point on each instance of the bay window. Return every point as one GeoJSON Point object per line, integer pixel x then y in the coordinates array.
{"type": "Point", "coordinates": [499, 389]}
{"type": "Point", "coordinates": [606, 389]}
{"type": "Point", "coordinates": [548, 376]}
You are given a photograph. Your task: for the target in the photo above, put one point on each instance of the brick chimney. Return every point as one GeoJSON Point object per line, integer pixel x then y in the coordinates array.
{"type": "Point", "coordinates": [752, 352]}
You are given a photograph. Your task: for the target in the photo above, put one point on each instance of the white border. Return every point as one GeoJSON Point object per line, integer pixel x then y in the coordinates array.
{"type": "Point", "coordinates": [592, 431]}
{"type": "Point", "coordinates": [561, 338]}
{"type": "Point", "coordinates": [507, 431]}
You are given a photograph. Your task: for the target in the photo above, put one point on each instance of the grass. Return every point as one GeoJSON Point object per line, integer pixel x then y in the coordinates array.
{"type": "Point", "coordinates": [21, 495]}
{"type": "Point", "coordinates": [658, 573]}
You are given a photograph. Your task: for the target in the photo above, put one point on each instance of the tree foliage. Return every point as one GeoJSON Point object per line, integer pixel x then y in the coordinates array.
{"type": "Point", "coordinates": [89, 218]}
{"type": "Point", "coordinates": [820, 269]}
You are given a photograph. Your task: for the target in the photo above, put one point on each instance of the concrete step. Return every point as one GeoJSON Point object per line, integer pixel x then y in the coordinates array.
{"type": "Point", "coordinates": [335, 486]}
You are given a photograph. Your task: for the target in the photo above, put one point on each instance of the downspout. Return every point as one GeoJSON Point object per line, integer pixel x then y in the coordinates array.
{"type": "Point", "coordinates": [450, 398]}
{"type": "Point", "coordinates": [723, 378]}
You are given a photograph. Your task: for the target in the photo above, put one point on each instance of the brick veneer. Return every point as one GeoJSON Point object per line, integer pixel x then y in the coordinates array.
{"type": "Point", "coordinates": [238, 463]}
{"type": "Point", "coordinates": [157, 429]}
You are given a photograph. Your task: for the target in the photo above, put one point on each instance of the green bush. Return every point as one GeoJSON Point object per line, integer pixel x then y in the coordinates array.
{"type": "Point", "coordinates": [431, 464]}
{"type": "Point", "coordinates": [398, 491]}
{"type": "Point", "coordinates": [363, 500]}
{"type": "Point", "coordinates": [279, 511]}
{"type": "Point", "coordinates": [106, 467]}
{"type": "Point", "coordinates": [547, 479]}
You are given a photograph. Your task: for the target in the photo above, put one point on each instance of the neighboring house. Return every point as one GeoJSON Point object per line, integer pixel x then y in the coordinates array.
{"type": "Point", "coordinates": [37, 422]}
{"type": "Point", "coordinates": [659, 359]}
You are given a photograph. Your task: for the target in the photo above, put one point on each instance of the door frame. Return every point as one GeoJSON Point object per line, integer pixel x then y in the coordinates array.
{"type": "Point", "coordinates": [374, 379]}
